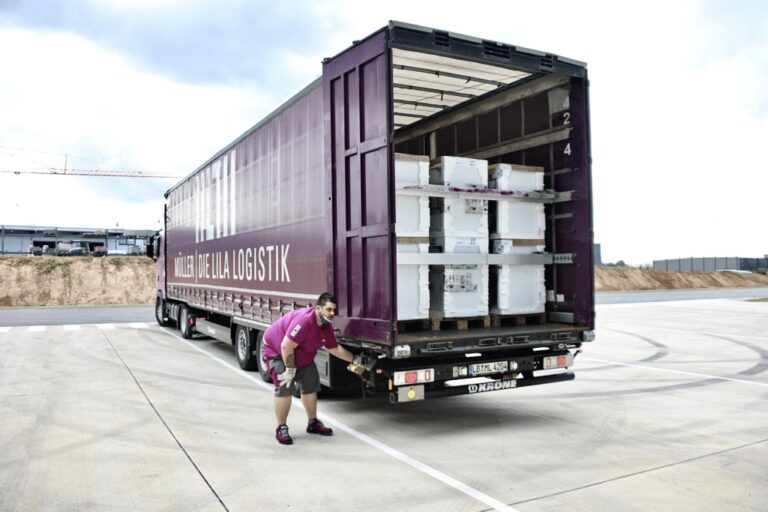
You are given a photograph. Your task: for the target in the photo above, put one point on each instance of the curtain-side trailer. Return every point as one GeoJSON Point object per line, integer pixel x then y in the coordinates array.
{"type": "Point", "coordinates": [323, 195]}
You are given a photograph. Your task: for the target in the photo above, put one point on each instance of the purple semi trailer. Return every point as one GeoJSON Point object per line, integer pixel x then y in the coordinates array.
{"type": "Point", "coordinates": [304, 202]}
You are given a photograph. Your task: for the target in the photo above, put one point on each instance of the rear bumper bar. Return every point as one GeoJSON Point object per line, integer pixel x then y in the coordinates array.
{"type": "Point", "coordinates": [495, 385]}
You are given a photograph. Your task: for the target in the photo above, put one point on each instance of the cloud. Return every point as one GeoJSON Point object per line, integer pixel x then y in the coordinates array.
{"type": "Point", "coordinates": [234, 42]}
{"type": "Point", "coordinates": [80, 99]}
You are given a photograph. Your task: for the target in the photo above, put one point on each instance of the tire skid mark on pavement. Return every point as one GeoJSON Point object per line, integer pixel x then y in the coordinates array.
{"type": "Point", "coordinates": [712, 378]}
{"type": "Point", "coordinates": [661, 352]}
{"type": "Point", "coordinates": [760, 367]}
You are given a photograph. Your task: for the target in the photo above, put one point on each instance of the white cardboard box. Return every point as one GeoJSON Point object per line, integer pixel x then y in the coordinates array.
{"type": "Point", "coordinates": [460, 172]}
{"type": "Point", "coordinates": [461, 218]}
{"type": "Point", "coordinates": [411, 212]}
{"type": "Point", "coordinates": [459, 290]}
{"type": "Point", "coordinates": [411, 169]}
{"type": "Point", "coordinates": [458, 245]}
{"type": "Point", "coordinates": [524, 178]}
{"type": "Point", "coordinates": [520, 289]}
{"type": "Point", "coordinates": [412, 285]}
{"type": "Point", "coordinates": [517, 219]}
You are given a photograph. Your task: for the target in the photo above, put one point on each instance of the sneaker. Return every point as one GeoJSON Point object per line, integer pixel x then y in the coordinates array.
{"type": "Point", "coordinates": [317, 427]}
{"type": "Point", "coordinates": [282, 435]}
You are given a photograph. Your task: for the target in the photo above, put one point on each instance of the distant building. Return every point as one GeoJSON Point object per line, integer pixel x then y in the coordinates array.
{"type": "Point", "coordinates": [598, 255]}
{"type": "Point", "coordinates": [47, 240]}
{"type": "Point", "coordinates": [712, 264]}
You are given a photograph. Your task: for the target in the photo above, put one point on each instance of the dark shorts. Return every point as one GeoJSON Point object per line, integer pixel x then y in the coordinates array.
{"type": "Point", "coordinates": [306, 381]}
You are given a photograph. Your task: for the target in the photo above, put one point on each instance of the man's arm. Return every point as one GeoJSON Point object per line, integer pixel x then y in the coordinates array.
{"type": "Point", "coordinates": [286, 348]}
{"type": "Point", "coordinates": [342, 353]}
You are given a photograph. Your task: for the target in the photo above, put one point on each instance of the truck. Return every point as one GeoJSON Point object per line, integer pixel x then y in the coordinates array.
{"type": "Point", "coordinates": [306, 201]}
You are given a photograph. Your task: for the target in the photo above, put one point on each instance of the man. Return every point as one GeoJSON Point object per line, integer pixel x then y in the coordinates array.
{"type": "Point", "coordinates": [290, 346]}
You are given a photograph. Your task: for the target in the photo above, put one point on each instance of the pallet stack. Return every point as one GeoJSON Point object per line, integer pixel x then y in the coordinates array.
{"type": "Point", "coordinates": [459, 226]}
{"type": "Point", "coordinates": [412, 232]}
{"type": "Point", "coordinates": [519, 229]}
{"type": "Point", "coordinates": [444, 270]}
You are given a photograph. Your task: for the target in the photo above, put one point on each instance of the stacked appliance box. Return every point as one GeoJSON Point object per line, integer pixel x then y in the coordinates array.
{"type": "Point", "coordinates": [459, 225]}
{"type": "Point", "coordinates": [412, 232]}
{"type": "Point", "coordinates": [518, 229]}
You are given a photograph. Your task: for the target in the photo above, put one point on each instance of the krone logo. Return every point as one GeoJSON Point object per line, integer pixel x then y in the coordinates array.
{"type": "Point", "coordinates": [492, 386]}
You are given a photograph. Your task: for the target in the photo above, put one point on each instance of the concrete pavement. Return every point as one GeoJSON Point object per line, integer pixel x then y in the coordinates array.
{"type": "Point", "coordinates": [133, 417]}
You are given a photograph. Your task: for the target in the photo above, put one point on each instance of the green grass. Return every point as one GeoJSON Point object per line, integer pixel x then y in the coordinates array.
{"type": "Point", "coordinates": [764, 299]}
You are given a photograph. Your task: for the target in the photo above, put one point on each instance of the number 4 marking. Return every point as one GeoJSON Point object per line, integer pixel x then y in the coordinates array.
{"type": "Point", "coordinates": [567, 150]}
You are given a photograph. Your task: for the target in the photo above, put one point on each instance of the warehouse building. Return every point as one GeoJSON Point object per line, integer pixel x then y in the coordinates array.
{"type": "Point", "coordinates": [712, 264]}
{"type": "Point", "coordinates": [40, 240]}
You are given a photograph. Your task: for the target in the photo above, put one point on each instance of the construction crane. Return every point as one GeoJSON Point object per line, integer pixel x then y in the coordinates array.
{"type": "Point", "coordinates": [67, 171]}
{"type": "Point", "coordinates": [92, 172]}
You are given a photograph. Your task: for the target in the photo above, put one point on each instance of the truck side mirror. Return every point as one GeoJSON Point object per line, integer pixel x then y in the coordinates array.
{"type": "Point", "coordinates": [152, 248]}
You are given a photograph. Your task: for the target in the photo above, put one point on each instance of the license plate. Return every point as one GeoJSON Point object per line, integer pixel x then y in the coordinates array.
{"type": "Point", "coordinates": [486, 368]}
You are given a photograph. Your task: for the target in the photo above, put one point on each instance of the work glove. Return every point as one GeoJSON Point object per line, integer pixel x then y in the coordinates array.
{"type": "Point", "coordinates": [356, 366]}
{"type": "Point", "coordinates": [286, 377]}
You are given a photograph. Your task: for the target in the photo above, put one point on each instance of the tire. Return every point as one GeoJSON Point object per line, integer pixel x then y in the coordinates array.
{"type": "Point", "coordinates": [162, 320]}
{"type": "Point", "coordinates": [244, 349]}
{"type": "Point", "coordinates": [263, 369]}
{"type": "Point", "coordinates": [187, 331]}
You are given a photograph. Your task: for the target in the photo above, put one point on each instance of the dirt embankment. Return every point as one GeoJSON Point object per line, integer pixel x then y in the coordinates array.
{"type": "Point", "coordinates": [75, 281]}
{"type": "Point", "coordinates": [628, 278]}
{"type": "Point", "coordinates": [58, 281]}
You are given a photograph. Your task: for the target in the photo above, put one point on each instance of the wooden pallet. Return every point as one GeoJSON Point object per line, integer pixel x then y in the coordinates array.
{"type": "Point", "coordinates": [413, 325]}
{"type": "Point", "coordinates": [444, 324]}
{"type": "Point", "coordinates": [518, 320]}
{"type": "Point", "coordinates": [459, 324]}
{"type": "Point", "coordinates": [463, 324]}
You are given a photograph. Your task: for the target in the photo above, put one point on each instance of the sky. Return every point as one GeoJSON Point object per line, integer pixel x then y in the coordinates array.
{"type": "Point", "coordinates": [678, 92]}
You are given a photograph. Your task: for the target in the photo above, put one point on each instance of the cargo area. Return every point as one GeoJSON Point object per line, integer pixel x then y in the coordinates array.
{"type": "Point", "coordinates": [493, 197]}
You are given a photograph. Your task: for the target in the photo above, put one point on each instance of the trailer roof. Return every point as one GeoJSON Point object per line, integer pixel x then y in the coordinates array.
{"type": "Point", "coordinates": [436, 70]}
{"type": "Point", "coordinates": [425, 84]}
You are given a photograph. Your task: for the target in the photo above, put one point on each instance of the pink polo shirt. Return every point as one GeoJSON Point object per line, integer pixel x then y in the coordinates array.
{"type": "Point", "coordinates": [301, 327]}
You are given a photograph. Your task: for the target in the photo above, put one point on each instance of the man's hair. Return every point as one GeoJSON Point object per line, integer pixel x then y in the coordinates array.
{"type": "Point", "coordinates": [325, 298]}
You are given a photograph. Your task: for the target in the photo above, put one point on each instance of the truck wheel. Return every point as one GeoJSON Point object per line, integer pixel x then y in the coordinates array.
{"type": "Point", "coordinates": [186, 330]}
{"type": "Point", "coordinates": [263, 369]}
{"type": "Point", "coordinates": [244, 348]}
{"type": "Point", "coordinates": [162, 320]}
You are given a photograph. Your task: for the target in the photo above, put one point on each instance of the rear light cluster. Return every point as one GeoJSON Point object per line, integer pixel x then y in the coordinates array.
{"type": "Point", "coordinates": [414, 377]}
{"type": "Point", "coordinates": [551, 362]}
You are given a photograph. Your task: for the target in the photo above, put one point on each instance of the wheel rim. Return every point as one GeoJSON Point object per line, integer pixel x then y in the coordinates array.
{"type": "Point", "coordinates": [242, 345]}
{"type": "Point", "coordinates": [184, 321]}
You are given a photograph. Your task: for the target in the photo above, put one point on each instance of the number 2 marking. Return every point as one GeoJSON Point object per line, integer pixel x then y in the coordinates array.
{"type": "Point", "coordinates": [566, 118]}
